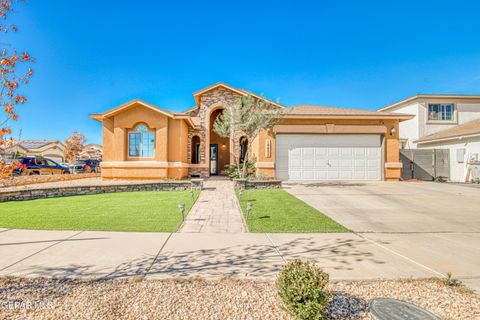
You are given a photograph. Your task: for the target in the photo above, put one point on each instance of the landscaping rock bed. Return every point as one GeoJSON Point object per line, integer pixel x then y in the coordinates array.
{"type": "Point", "coordinates": [224, 299]}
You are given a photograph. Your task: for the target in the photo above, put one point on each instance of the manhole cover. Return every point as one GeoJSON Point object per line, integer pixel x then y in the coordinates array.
{"type": "Point", "coordinates": [391, 309]}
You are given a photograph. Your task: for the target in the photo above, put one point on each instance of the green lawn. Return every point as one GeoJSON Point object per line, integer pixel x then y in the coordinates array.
{"type": "Point", "coordinates": [124, 211]}
{"type": "Point", "coordinates": [275, 210]}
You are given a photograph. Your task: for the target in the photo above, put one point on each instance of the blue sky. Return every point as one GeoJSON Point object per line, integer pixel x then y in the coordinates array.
{"type": "Point", "coordinates": [94, 55]}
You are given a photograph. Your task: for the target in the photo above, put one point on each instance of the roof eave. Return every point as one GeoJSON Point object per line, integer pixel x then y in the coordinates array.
{"type": "Point", "coordinates": [456, 137]}
{"type": "Point", "coordinates": [96, 116]}
{"type": "Point", "coordinates": [400, 117]}
{"type": "Point", "coordinates": [428, 96]}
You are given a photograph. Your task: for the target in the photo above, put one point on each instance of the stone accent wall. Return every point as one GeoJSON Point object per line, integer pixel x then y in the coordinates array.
{"type": "Point", "coordinates": [88, 190]}
{"type": "Point", "coordinates": [198, 172]}
{"type": "Point", "coordinates": [257, 184]}
{"type": "Point", "coordinates": [208, 101]}
{"type": "Point", "coordinates": [26, 180]}
{"type": "Point", "coordinates": [202, 135]}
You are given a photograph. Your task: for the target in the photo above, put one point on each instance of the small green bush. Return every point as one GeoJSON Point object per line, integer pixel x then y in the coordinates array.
{"type": "Point", "coordinates": [301, 285]}
{"type": "Point", "coordinates": [235, 173]}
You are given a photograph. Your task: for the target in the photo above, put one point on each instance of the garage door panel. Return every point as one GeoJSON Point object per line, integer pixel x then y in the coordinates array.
{"type": "Point", "coordinates": [346, 163]}
{"type": "Point", "coordinates": [328, 157]}
{"type": "Point", "coordinates": [308, 163]}
{"type": "Point", "coordinates": [346, 175]}
{"type": "Point", "coordinates": [321, 175]}
{"type": "Point", "coordinates": [321, 164]}
{"type": "Point", "coordinates": [320, 152]}
{"type": "Point", "coordinates": [308, 175]}
{"type": "Point", "coordinates": [333, 175]}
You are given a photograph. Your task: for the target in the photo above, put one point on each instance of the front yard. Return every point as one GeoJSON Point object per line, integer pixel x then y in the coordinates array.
{"type": "Point", "coordinates": [153, 211]}
{"type": "Point", "coordinates": [275, 210]}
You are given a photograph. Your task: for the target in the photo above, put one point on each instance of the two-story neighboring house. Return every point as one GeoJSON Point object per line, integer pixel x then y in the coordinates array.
{"type": "Point", "coordinates": [443, 122]}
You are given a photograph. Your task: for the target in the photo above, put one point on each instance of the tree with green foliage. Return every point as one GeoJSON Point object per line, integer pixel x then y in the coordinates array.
{"type": "Point", "coordinates": [246, 116]}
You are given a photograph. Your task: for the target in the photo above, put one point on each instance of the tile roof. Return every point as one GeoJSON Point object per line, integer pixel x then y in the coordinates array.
{"type": "Point", "coordinates": [306, 110]}
{"type": "Point", "coordinates": [35, 144]}
{"type": "Point", "coordinates": [466, 129]}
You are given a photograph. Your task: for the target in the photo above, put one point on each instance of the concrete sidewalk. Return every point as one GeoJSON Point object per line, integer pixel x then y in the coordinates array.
{"type": "Point", "coordinates": [88, 254]}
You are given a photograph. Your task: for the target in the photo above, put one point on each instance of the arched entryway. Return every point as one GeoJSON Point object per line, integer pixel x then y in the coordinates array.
{"type": "Point", "coordinates": [195, 149]}
{"type": "Point", "coordinates": [219, 148]}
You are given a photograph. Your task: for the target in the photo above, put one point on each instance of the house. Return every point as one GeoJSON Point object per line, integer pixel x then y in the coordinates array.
{"type": "Point", "coordinates": [52, 149]}
{"type": "Point", "coordinates": [141, 141]}
{"type": "Point", "coordinates": [443, 122]}
{"type": "Point", "coordinates": [92, 151]}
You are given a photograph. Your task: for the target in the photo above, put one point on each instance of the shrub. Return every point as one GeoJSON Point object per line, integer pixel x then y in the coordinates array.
{"type": "Point", "coordinates": [301, 285]}
{"type": "Point", "coordinates": [451, 281]}
{"type": "Point", "coordinates": [235, 173]}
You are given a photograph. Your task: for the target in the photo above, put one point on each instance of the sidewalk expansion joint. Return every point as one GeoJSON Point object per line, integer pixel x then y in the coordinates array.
{"type": "Point", "coordinates": [402, 256]}
{"type": "Point", "coordinates": [158, 254]}
{"type": "Point", "coordinates": [275, 248]}
{"type": "Point", "coordinates": [41, 250]}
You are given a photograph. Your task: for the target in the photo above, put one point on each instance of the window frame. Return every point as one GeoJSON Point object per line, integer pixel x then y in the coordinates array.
{"type": "Point", "coordinates": [140, 144]}
{"type": "Point", "coordinates": [453, 119]}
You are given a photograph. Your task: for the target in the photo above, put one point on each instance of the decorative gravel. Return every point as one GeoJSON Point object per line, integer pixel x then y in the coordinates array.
{"type": "Point", "coordinates": [224, 299]}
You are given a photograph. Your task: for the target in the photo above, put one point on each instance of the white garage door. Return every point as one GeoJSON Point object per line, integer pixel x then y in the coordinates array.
{"type": "Point", "coordinates": [328, 157]}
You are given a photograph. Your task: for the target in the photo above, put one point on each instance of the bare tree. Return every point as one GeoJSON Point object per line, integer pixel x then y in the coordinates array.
{"type": "Point", "coordinates": [247, 115]}
{"type": "Point", "coordinates": [74, 145]}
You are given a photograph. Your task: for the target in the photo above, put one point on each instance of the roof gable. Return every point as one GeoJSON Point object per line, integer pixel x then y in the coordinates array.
{"type": "Point", "coordinates": [241, 92]}
{"type": "Point", "coordinates": [125, 106]}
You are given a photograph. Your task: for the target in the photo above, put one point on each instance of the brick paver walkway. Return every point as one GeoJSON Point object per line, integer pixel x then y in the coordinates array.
{"type": "Point", "coordinates": [216, 210]}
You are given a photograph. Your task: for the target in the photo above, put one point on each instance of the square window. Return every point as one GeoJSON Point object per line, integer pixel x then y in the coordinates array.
{"type": "Point", "coordinates": [441, 112]}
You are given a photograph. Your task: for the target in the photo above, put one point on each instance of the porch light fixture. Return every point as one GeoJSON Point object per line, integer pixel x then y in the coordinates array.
{"type": "Point", "coordinates": [249, 208]}
{"type": "Point", "coordinates": [181, 206]}
{"type": "Point", "coordinates": [392, 131]}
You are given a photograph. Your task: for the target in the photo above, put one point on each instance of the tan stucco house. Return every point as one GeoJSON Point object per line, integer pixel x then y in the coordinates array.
{"type": "Point", "coordinates": [141, 141]}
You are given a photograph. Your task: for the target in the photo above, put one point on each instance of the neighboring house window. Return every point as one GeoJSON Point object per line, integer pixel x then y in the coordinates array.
{"type": "Point", "coordinates": [440, 111]}
{"type": "Point", "coordinates": [141, 142]}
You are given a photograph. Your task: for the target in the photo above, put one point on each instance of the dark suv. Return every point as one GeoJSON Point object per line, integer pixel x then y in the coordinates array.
{"type": "Point", "coordinates": [33, 165]}
{"type": "Point", "coordinates": [86, 166]}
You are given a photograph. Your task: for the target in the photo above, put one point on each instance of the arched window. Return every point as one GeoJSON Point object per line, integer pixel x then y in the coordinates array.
{"type": "Point", "coordinates": [195, 149]}
{"type": "Point", "coordinates": [141, 142]}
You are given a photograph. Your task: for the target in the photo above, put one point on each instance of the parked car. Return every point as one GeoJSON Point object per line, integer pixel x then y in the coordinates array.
{"type": "Point", "coordinates": [33, 165]}
{"type": "Point", "coordinates": [86, 166]}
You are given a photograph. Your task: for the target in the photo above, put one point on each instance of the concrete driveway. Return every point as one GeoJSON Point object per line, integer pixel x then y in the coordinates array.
{"type": "Point", "coordinates": [395, 206]}
{"type": "Point", "coordinates": [432, 224]}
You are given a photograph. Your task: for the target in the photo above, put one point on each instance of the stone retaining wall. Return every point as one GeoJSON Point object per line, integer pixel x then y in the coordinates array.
{"type": "Point", "coordinates": [33, 179]}
{"type": "Point", "coordinates": [257, 184]}
{"type": "Point", "coordinates": [87, 190]}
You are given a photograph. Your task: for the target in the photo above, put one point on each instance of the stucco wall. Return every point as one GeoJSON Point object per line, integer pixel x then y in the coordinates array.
{"type": "Point", "coordinates": [170, 138]}
{"type": "Point", "coordinates": [409, 130]}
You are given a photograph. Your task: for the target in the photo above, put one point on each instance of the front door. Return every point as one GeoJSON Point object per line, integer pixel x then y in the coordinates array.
{"type": "Point", "coordinates": [214, 159]}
